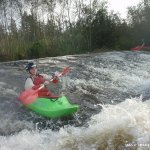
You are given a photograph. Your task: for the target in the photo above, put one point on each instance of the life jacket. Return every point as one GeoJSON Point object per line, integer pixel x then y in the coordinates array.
{"type": "Point", "coordinates": [37, 81]}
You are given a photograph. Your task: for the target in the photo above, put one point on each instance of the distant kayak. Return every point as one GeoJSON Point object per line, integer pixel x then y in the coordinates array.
{"type": "Point", "coordinates": [52, 108]}
{"type": "Point", "coordinates": [139, 48]}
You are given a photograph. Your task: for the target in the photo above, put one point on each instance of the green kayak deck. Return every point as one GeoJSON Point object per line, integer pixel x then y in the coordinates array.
{"type": "Point", "coordinates": [53, 108]}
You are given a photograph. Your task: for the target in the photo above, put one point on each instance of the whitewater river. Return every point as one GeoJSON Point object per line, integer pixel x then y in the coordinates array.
{"type": "Point", "coordinates": [112, 89]}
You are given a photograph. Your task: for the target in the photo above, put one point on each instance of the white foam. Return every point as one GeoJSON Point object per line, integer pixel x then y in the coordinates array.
{"type": "Point", "coordinates": [6, 91]}
{"type": "Point", "coordinates": [2, 83]}
{"type": "Point", "coordinates": [126, 124]}
{"type": "Point", "coordinates": [8, 126]}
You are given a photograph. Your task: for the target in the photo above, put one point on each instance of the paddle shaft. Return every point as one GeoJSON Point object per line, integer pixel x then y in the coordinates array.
{"type": "Point", "coordinates": [66, 70]}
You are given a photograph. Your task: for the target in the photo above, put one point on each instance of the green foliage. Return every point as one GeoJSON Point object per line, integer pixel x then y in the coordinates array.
{"type": "Point", "coordinates": [140, 22]}
{"type": "Point", "coordinates": [34, 51]}
{"type": "Point", "coordinates": [93, 29]}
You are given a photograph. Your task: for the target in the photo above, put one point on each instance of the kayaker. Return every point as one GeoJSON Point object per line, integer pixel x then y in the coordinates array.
{"type": "Point", "coordinates": [35, 80]}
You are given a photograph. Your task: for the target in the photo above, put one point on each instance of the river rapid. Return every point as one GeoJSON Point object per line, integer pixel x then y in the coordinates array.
{"type": "Point", "coordinates": [112, 89]}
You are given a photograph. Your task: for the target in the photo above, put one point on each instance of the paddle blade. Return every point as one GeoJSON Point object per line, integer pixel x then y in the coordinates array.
{"type": "Point", "coordinates": [28, 96]}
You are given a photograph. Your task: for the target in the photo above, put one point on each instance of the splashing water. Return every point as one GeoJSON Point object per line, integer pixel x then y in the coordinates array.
{"type": "Point", "coordinates": [102, 84]}
{"type": "Point", "coordinates": [115, 127]}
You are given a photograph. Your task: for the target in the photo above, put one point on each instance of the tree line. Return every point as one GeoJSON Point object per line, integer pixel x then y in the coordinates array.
{"type": "Point", "coordinates": [40, 28]}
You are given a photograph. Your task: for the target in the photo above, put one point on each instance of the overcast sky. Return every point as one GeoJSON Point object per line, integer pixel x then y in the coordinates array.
{"type": "Point", "coordinates": [121, 5]}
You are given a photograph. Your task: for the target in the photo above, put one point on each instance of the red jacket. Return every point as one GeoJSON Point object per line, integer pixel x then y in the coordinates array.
{"type": "Point", "coordinates": [37, 81]}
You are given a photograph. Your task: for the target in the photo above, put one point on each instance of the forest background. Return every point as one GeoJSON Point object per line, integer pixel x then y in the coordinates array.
{"type": "Point", "coordinates": [40, 28]}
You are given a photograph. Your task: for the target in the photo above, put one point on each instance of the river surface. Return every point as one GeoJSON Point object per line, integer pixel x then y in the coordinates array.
{"type": "Point", "coordinates": [112, 89]}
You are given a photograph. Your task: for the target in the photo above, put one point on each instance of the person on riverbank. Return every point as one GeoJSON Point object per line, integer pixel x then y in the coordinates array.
{"type": "Point", "coordinates": [36, 80]}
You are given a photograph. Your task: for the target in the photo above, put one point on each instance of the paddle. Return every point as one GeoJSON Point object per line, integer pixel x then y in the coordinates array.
{"type": "Point", "coordinates": [28, 96]}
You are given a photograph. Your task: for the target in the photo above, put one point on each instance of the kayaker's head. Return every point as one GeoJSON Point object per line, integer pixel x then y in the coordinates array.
{"type": "Point", "coordinates": [31, 68]}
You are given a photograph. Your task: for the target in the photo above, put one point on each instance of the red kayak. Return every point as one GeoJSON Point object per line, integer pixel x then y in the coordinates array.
{"type": "Point", "coordinates": [140, 47]}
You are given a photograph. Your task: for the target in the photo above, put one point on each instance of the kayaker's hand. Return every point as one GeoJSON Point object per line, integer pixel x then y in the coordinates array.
{"type": "Point", "coordinates": [55, 74]}
{"type": "Point", "coordinates": [55, 80]}
{"type": "Point", "coordinates": [46, 83]}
